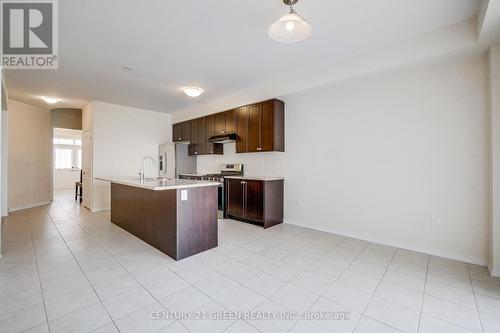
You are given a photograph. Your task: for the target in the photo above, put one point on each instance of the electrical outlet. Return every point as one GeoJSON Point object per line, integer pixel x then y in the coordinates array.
{"type": "Point", "coordinates": [299, 203]}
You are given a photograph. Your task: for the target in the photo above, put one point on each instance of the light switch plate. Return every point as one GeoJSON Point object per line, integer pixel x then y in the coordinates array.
{"type": "Point", "coordinates": [184, 195]}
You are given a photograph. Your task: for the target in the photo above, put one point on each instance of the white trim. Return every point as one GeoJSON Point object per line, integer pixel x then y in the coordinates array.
{"type": "Point", "coordinates": [11, 210]}
{"type": "Point", "coordinates": [494, 271]}
{"type": "Point", "coordinates": [407, 246]}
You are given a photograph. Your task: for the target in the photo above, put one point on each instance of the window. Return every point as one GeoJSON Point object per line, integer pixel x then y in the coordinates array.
{"type": "Point", "coordinates": [64, 158]}
{"type": "Point", "coordinates": [67, 149]}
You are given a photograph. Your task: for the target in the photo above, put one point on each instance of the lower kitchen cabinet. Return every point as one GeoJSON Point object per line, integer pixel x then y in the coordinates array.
{"type": "Point", "coordinates": [255, 201]}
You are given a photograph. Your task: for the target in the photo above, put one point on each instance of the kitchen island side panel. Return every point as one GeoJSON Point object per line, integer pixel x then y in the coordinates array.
{"type": "Point", "coordinates": [148, 215]}
{"type": "Point", "coordinates": [196, 220]}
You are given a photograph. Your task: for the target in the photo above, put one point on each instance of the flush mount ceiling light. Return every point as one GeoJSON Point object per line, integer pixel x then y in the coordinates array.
{"type": "Point", "coordinates": [193, 91]}
{"type": "Point", "coordinates": [50, 100]}
{"type": "Point", "coordinates": [291, 27]}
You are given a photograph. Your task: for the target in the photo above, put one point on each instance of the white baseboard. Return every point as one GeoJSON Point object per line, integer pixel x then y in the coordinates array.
{"type": "Point", "coordinates": [494, 271]}
{"type": "Point", "coordinates": [11, 210]}
{"type": "Point", "coordinates": [407, 246]}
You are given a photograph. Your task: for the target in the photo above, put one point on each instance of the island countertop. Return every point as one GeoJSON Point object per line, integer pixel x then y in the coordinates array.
{"type": "Point", "coordinates": [156, 184]}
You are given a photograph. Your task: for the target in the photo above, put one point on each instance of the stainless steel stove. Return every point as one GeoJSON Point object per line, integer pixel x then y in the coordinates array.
{"type": "Point", "coordinates": [229, 169]}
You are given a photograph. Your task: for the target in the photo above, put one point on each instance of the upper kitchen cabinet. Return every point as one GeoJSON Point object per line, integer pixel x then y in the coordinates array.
{"type": "Point", "coordinates": [212, 148]}
{"type": "Point", "coordinates": [241, 129]}
{"type": "Point", "coordinates": [181, 132]}
{"type": "Point", "coordinates": [197, 145]}
{"type": "Point", "coordinates": [201, 130]}
{"type": "Point", "coordinates": [261, 127]}
{"type": "Point", "coordinates": [225, 122]}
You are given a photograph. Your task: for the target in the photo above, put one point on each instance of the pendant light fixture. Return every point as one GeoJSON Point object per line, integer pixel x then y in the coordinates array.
{"type": "Point", "coordinates": [291, 27]}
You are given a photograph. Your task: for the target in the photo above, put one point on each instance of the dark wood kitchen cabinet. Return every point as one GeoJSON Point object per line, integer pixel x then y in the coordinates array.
{"type": "Point", "coordinates": [225, 122]}
{"type": "Point", "coordinates": [241, 130]}
{"type": "Point", "coordinates": [177, 132]}
{"type": "Point", "coordinates": [255, 201]}
{"type": "Point", "coordinates": [201, 130]}
{"type": "Point", "coordinates": [220, 123]}
{"type": "Point", "coordinates": [198, 137]}
{"type": "Point", "coordinates": [261, 127]}
{"type": "Point", "coordinates": [231, 121]}
{"type": "Point", "coordinates": [212, 148]}
{"type": "Point", "coordinates": [181, 131]}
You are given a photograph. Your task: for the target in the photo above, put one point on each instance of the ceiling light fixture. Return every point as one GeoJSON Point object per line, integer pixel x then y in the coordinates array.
{"type": "Point", "coordinates": [50, 100]}
{"type": "Point", "coordinates": [193, 91]}
{"type": "Point", "coordinates": [290, 28]}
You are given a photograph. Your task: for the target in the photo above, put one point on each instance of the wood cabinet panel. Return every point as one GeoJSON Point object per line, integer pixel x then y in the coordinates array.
{"type": "Point", "coordinates": [186, 131]}
{"type": "Point", "coordinates": [241, 142]}
{"type": "Point", "coordinates": [231, 121]}
{"type": "Point", "coordinates": [255, 201]}
{"type": "Point", "coordinates": [235, 197]}
{"type": "Point", "coordinates": [220, 123]}
{"type": "Point", "coordinates": [194, 132]}
{"type": "Point", "coordinates": [253, 133]}
{"type": "Point", "coordinates": [254, 197]}
{"type": "Point", "coordinates": [201, 136]}
{"type": "Point", "coordinates": [209, 131]}
{"type": "Point", "coordinates": [266, 127]}
{"type": "Point", "coordinates": [177, 132]}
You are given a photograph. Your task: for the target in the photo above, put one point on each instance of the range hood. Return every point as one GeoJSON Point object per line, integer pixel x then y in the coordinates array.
{"type": "Point", "coordinates": [223, 138]}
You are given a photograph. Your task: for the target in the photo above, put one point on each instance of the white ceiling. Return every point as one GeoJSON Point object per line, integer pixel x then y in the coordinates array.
{"type": "Point", "coordinates": [220, 45]}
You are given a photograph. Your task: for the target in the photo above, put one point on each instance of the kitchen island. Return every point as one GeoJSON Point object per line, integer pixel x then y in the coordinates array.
{"type": "Point", "coordinates": [176, 216]}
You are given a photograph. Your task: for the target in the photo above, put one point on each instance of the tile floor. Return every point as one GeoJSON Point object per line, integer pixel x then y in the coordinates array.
{"type": "Point", "coordinates": [65, 269]}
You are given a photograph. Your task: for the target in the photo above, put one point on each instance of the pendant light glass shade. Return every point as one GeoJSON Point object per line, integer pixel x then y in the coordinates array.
{"type": "Point", "coordinates": [290, 28]}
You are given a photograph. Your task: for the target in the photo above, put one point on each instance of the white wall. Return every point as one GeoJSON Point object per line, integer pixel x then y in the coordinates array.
{"type": "Point", "coordinates": [3, 155]}
{"type": "Point", "coordinates": [4, 211]}
{"type": "Point", "coordinates": [377, 157]}
{"type": "Point", "coordinates": [122, 136]}
{"type": "Point", "coordinates": [29, 156]}
{"type": "Point", "coordinates": [494, 67]}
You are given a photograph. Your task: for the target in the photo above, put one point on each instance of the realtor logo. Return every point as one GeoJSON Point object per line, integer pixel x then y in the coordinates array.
{"type": "Point", "coordinates": [29, 34]}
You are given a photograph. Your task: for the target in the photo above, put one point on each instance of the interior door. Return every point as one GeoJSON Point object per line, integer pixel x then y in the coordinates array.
{"type": "Point", "coordinates": [254, 200]}
{"type": "Point", "coordinates": [87, 168]}
{"type": "Point", "coordinates": [253, 134]}
{"type": "Point", "coordinates": [234, 193]}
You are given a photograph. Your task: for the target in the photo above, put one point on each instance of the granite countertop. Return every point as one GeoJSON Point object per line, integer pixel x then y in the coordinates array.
{"type": "Point", "coordinates": [261, 178]}
{"type": "Point", "coordinates": [156, 184]}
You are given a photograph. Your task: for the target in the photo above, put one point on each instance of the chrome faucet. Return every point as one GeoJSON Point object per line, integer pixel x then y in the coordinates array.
{"type": "Point", "coordinates": [142, 173]}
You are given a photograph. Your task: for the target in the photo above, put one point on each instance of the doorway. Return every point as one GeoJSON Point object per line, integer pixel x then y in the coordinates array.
{"type": "Point", "coordinates": [67, 161]}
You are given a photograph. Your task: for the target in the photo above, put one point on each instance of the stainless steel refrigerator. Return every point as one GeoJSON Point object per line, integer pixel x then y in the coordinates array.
{"type": "Point", "coordinates": [174, 160]}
